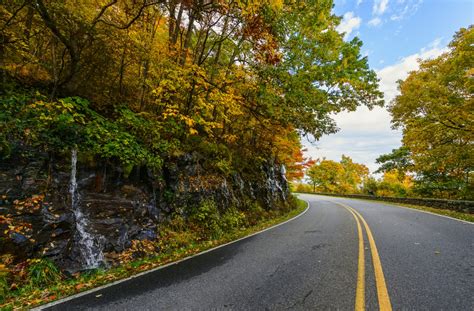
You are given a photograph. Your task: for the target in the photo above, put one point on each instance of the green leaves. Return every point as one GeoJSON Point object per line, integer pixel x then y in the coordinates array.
{"type": "Point", "coordinates": [58, 126]}
{"type": "Point", "coordinates": [435, 112]}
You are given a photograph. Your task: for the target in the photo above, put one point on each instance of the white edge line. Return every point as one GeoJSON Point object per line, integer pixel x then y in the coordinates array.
{"type": "Point", "coordinates": [90, 291]}
{"type": "Point", "coordinates": [401, 206]}
{"type": "Point", "coordinates": [428, 212]}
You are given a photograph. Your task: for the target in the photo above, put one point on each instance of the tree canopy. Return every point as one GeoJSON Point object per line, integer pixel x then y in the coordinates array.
{"type": "Point", "coordinates": [146, 81]}
{"type": "Point", "coordinates": [399, 160]}
{"type": "Point", "coordinates": [435, 111]}
{"type": "Point", "coordinates": [330, 176]}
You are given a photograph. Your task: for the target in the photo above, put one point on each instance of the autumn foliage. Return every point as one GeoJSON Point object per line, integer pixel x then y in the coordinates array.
{"type": "Point", "coordinates": [143, 83]}
{"type": "Point", "coordinates": [435, 111]}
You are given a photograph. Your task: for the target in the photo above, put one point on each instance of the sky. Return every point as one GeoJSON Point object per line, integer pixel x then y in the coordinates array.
{"type": "Point", "coordinates": [396, 33]}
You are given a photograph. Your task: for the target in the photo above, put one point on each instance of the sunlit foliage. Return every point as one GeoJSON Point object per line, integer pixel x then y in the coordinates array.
{"type": "Point", "coordinates": [435, 111]}
{"type": "Point", "coordinates": [342, 177]}
{"type": "Point", "coordinates": [234, 80]}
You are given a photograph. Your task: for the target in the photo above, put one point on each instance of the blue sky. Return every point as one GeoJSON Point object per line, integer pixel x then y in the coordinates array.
{"type": "Point", "coordinates": [395, 34]}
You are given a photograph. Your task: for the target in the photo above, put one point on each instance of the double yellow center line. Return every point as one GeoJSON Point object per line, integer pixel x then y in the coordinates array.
{"type": "Point", "coordinates": [382, 292]}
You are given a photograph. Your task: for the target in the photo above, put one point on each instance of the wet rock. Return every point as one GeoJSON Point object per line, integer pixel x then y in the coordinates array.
{"type": "Point", "coordinates": [146, 235]}
{"type": "Point", "coordinates": [18, 238]}
{"type": "Point", "coordinates": [121, 208]}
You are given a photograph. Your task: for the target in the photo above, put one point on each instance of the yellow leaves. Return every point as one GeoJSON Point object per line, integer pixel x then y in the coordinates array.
{"type": "Point", "coordinates": [3, 269]}
{"type": "Point", "coordinates": [31, 204]}
{"type": "Point", "coordinates": [230, 138]}
{"type": "Point", "coordinates": [170, 112]}
{"type": "Point", "coordinates": [250, 7]}
{"type": "Point", "coordinates": [188, 121]}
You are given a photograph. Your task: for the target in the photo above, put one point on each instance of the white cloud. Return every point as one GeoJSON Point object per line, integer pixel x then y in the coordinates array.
{"type": "Point", "coordinates": [366, 134]}
{"type": "Point", "coordinates": [349, 23]}
{"type": "Point", "coordinates": [405, 8]}
{"type": "Point", "coordinates": [375, 21]}
{"type": "Point", "coordinates": [391, 74]}
{"type": "Point", "coordinates": [380, 6]}
{"type": "Point", "coordinates": [359, 2]}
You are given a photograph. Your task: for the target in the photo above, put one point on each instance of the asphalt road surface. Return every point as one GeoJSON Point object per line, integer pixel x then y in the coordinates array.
{"type": "Point", "coordinates": [406, 260]}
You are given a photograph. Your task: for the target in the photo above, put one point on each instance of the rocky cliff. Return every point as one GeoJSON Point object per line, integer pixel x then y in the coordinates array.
{"type": "Point", "coordinates": [82, 212]}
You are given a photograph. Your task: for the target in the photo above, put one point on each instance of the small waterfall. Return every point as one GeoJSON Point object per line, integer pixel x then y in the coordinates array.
{"type": "Point", "coordinates": [89, 246]}
{"type": "Point", "coordinates": [285, 181]}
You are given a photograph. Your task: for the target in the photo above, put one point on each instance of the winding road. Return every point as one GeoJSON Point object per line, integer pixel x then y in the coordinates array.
{"type": "Point", "coordinates": [342, 254]}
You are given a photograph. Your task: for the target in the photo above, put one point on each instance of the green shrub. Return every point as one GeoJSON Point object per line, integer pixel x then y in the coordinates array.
{"type": "Point", "coordinates": [207, 217]}
{"type": "Point", "coordinates": [3, 283]}
{"type": "Point", "coordinates": [255, 212]}
{"type": "Point", "coordinates": [232, 219]}
{"type": "Point", "coordinates": [42, 272]}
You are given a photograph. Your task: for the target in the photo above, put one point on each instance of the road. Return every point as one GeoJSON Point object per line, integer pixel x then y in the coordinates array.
{"type": "Point", "coordinates": [406, 260]}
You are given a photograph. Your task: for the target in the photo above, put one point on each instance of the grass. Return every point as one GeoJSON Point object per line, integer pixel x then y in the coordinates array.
{"type": "Point", "coordinates": [185, 244]}
{"type": "Point", "coordinates": [445, 212]}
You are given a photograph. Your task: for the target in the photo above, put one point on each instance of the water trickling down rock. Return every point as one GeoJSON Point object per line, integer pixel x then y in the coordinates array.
{"type": "Point", "coordinates": [89, 245]}
{"type": "Point", "coordinates": [93, 211]}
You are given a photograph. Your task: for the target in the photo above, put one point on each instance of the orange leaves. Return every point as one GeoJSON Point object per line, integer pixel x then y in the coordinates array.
{"type": "Point", "coordinates": [138, 249]}
{"type": "Point", "coordinates": [12, 225]}
{"type": "Point", "coordinates": [32, 204]}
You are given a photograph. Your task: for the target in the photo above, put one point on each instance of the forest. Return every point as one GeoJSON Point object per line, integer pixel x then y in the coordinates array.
{"type": "Point", "coordinates": [132, 127]}
{"type": "Point", "coordinates": [142, 82]}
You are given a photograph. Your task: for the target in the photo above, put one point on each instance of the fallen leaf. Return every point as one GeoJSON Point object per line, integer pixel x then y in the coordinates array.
{"type": "Point", "coordinates": [79, 286]}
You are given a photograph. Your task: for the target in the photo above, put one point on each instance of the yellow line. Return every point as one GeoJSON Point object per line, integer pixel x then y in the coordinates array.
{"type": "Point", "coordinates": [382, 292]}
{"type": "Point", "coordinates": [360, 289]}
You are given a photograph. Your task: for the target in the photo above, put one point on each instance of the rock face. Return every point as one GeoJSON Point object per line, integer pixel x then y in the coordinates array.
{"type": "Point", "coordinates": [114, 207]}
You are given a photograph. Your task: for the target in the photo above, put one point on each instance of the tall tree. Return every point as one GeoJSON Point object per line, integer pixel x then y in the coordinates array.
{"type": "Point", "coordinates": [237, 81]}
{"type": "Point", "coordinates": [435, 110]}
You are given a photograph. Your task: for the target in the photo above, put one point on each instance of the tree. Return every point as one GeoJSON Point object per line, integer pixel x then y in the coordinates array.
{"type": "Point", "coordinates": [337, 177]}
{"type": "Point", "coordinates": [325, 175]}
{"type": "Point", "coordinates": [236, 81]}
{"type": "Point", "coordinates": [399, 159]}
{"type": "Point", "coordinates": [354, 174]}
{"type": "Point", "coordinates": [393, 185]}
{"type": "Point", "coordinates": [435, 111]}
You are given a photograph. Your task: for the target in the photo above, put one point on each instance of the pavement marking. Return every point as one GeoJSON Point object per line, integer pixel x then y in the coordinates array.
{"type": "Point", "coordinates": [360, 289]}
{"type": "Point", "coordinates": [382, 292]}
{"type": "Point", "coordinates": [423, 211]}
{"type": "Point", "coordinates": [95, 289]}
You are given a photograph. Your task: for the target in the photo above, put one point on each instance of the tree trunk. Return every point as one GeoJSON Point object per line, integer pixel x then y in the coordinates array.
{"type": "Point", "coordinates": [177, 29]}
{"type": "Point", "coordinates": [189, 32]}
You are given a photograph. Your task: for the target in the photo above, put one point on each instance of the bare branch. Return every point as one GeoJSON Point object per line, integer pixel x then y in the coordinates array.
{"type": "Point", "coordinates": [14, 14]}
{"type": "Point", "coordinates": [134, 19]}
{"type": "Point", "coordinates": [102, 12]}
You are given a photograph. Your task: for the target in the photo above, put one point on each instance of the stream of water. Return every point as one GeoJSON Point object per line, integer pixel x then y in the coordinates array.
{"type": "Point", "coordinates": [89, 245]}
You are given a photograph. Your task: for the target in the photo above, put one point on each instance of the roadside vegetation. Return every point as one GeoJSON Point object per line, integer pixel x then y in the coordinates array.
{"type": "Point", "coordinates": [38, 281]}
